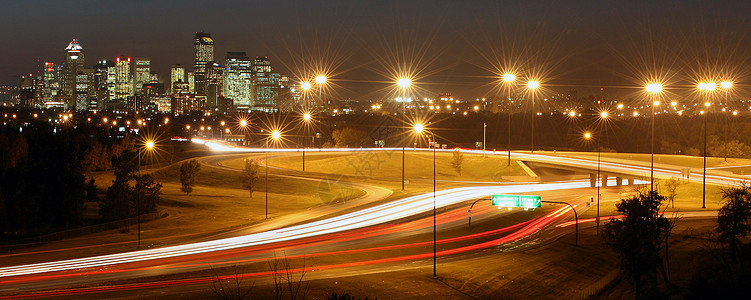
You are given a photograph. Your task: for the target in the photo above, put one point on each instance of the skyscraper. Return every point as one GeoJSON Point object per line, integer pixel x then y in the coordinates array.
{"type": "Point", "coordinates": [214, 80]}
{"type": "Point", "coordinates": [102, 82]}
{"type": "Point", "coordinates": [265, 85]}
{"type": "Point", "coordinates": [238, 79]}
{"type": "Point", "coordinates": [123, 83]}
{"type": "Point", "coordinates": [74, 62]}
{"type": "Point", "coordinates": [84, 90]}
{"type": "Point", "coordinates": [191, 83]}
{"type": "Point", "coordinates": [51, 83]}
{"type": "Point", "coordinates": [177, 74]}
{"type": "Point", "coordinates": [142, 73]}
{"type": "Point", "coordinates": [203, 56]}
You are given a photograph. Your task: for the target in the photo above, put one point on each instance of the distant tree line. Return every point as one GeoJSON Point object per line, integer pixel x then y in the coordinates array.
{"type": "Point", "coordinates": [673, 134]}
{"type": "Point", "coordinates": [43, 176]}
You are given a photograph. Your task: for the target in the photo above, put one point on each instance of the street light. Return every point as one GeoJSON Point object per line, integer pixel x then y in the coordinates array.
{"type": "Point", "coordinates": [508, 78]}
{"type": "Point", "coordinates": [403, 83]}
{"type": "Point", "coordinates": [275, 135]}
{"type": "Point", "coordinates": [588, 136]}
{"type": "Point", "coordinates": [305, 86]}
{"type": "Point", "coordinates": [321, 79]}
{"type": "Point", "coordinates": [532, 86]}
{"type": "Point", "coordinates": [726, 85]}
{"type": "Point", "coordinates": [419, 128]}
{"type": "Point", "coordinates": [147, 146]}
{"type": "Point", "coordinates": [305, 117]}
{"type": "Point", "coordinates": [653, 89]}
{"type": "Point", "coordinates": [706, 87]}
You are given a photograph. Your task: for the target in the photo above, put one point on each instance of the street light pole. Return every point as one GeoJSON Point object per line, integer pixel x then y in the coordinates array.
{"type": "Point", "coordinates": [138, 203]}
{"type": "Point", "coordinates": [704, 175]}
{"type": "Point", "coordinates": [653, 88]}
{"type": "Point", "coordinates": [508, 78]}
{"type": "Point", "coordinates": [532, 148]}
{"type": "Point", "coordinates": [599, 179]}
{"type": "Point", "coordinates": [484, 129]}
{"type": "Point", "coordinates": [403, 83]}
{"type": "Point", "coordinates": [706, 87]}
{"type": "Point", "coordinates": [148, 145]}
{"type": "Point", "coordinates": [435, 259]}
{"type": "Point", "coordinates": [532, 86]}
{"type": "Point", "coordinates": [652, 156]}
{"type": "Point", "coordinates": [726, 85]}
{"type": "Point", "coordinates": [266, 188]}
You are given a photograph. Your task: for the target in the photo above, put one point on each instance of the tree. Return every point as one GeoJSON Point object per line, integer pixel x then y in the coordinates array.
{"type": "Point", "coordinates": [92, 194]}
{"type": "Point", "coordinates": [639, 236]}
{"type": "Point", "coordinates": [734, 216]}
{"type": "Point", "coordinates": [457, 161]}
{"type": "Point", "coordinates": [117, 202]}
{"type": "Point", "coordinates": [13, 148]}
{"type": "Point", "coordinates": [188, 173]}
{"type": "Point", "coordinates": [251, 176]}
{"type": "Point", "coordinates": [349, 137]}
{"type": "Point", "coordinates": [671, 185]}
{"type": "Point", "coordinates": [147, 192]}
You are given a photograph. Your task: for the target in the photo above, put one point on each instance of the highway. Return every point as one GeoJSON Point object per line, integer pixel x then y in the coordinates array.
{"type": "Point", "coordinates": [397, 230]}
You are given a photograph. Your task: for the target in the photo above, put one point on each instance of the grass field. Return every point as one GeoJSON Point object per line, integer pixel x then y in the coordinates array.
{"type": "Point", "coordinates": [388, 164]}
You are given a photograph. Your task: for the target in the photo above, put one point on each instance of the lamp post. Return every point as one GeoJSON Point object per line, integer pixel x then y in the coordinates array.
{"type": "Point", "coordinates": [653, 89]}
{"type": "Point", "coordinates": [508, 78]}
{"type": "Point", "coordinates": [588, 136]}
{"type": "Point", "coordinates": [306, 117]}
{"type": "Point", "coordinates": [726, 85]}
{"type": "Point", "coordinates": [532, 86]}
{"type": "Point", "coordinates": [403, 83]}
{"type": "Point", "coordinates": [419, 128]}
{"type": "Point", "coordinates": [706, 87]}
{"type": "Point", "coordinates": [147, 146]}
{"type": "Point", "coordinates": [484, 129]}
{"type": "Point", "coordinates": [275, 135]}
{"type": "Point", "coordinates": [243, 123]}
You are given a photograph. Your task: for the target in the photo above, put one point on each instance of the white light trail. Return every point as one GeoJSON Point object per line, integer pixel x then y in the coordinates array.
{"type": "Point", "coordinates": [367, 217]}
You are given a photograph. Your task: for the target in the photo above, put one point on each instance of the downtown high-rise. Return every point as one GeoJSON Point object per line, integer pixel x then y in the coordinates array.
{"type": "Point", "coordinates": [238, 79]}
{"type": "Point", "coordinates": [74, 63]}
{"type": "Point", "coordinates": [203, 57]}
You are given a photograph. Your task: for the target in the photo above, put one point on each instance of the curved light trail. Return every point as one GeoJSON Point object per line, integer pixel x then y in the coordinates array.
{"type": "Point", "coordinates": [367, 217]}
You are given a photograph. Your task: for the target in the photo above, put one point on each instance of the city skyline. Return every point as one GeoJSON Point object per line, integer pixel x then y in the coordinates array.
{"type": "Point", "coordinates": [452, 51]}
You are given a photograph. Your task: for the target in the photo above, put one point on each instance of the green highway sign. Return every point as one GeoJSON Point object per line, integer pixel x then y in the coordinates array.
{"type": "Point", "coordinates": [516, 201]}
{"type": "Point", "coordinates": [505, 200]}
{"type": "Point", "coordinates": [531, 201]}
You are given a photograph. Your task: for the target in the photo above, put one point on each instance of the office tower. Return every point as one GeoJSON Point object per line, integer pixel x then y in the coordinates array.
{"type": "Point", "coordinates": [214, 85]}
{"type": "Point", "coordinates": [74, 62]}
{"type": "Point", "coordinates": [102, 80]}
{"type": "Point", "coordinates": [265, 85]}
{"type": "Point", "coordinates": [26, 91]}
{"type": "Point", "coordinates": [177, 74]}
{"type": "Point", "coordinates": [142, 73]}
{"type": "Point", "coordinates": [191, 83]}
{"type": "Point", "coordinates": [203, 56]}
{"type": "Point", "coordinates": [111, 82]}
{"type": "Point", "coordinates": [123, 83]}
{"type": "Point", "coordinates": [50, 82]}
{"type": "Point", "coordinates": [238, 79]}
{"type": "Point", "coordinates": [84, 84]}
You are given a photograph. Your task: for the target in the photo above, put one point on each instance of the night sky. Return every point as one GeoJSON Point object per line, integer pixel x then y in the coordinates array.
{"type": "Point", "coordinates": [453, 46]}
